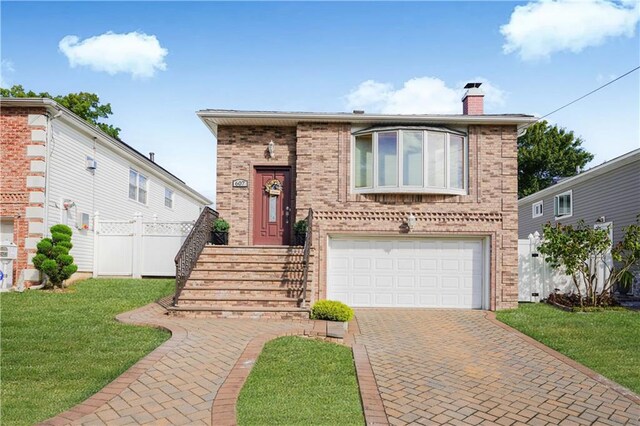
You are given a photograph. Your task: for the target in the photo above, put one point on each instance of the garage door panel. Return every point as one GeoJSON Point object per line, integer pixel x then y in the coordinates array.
{"type": "Point", "coordinates": [360, 263]}
{"type": "Point", "coordinates": [428, 282]}
{"type": "Point", "coordinates": [383, 299]}
{"type": "Point", "coordinates": [406, 300]}
{"type": "Point", "coordinates": [362, 281]}
{"type": "Point", "coordinates": [410, 272]}
{"type": "Point", "coordinates": [406, 264]}
{"type": "Point", "coordinates": [361, 299]}
{"type": "Point", "coordinates": [383, 264]}
{"type": "Point", "coordinates": [450, 265]}
{"type": "Point", "coordinates": [383, 281]}
{"type": "Point", "coordinates": [428, 264]}
{"type": "Point", "coordinates": [406, 282]}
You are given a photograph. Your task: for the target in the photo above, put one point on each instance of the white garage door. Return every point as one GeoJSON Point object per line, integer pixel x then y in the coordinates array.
{"type": "Point", "coordinates": [406, 272]}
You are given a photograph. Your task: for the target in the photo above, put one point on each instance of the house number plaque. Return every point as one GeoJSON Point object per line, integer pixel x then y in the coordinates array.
{"type": "Point", "coordinates": [240, 183]}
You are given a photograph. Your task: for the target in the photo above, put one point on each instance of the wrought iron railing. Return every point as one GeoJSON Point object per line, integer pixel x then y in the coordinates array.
{"type": "Point", "coordinates": [193, 245]}
{"type": "Point", "coordinates": [305, 258]}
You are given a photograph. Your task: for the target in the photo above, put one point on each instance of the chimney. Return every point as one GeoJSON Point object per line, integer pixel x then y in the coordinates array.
{"type": "Point", "coordinates": [473, 99]}
{"type": "Point", "coordinates": [152, 157]}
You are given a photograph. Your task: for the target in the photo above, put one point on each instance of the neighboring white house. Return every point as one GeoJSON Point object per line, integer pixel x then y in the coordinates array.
{"type": "Point", "coordinates": [77, 170]}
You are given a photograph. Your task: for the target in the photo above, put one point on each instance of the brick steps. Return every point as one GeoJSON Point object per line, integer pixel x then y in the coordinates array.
{"type": "Point", "coordinates": [235, 291]}
{"type": "Point", "coordinates": [240, 312]}
{"type": "Point", "coordinates": [240, 301]}
{"type": "Point", "coordinates": [246, 282]}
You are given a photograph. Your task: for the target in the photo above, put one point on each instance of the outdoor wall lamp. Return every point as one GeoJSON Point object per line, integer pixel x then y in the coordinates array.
{"type": "Point", "coordinates": [411, 221]}
{"type": "Point", "coordinates": [271, 149]}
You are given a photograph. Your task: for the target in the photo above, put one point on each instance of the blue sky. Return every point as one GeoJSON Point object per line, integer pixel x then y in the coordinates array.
{"type": "Point", "coordinates": [392, 57]}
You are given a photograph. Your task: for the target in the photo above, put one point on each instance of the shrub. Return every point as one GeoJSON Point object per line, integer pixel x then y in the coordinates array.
{"type": "Point", "coordinates": [221, 225]}
{"type": "Point", "coordinates": [331, 310]}
{"type": "Point", "coordinates": [53, 258]}
{"type": "Point", "coordinates": [300, 226]}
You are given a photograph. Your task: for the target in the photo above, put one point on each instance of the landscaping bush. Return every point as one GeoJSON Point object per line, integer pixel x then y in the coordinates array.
{"type": "Point", "coordinates": [220, 232]}
{"type": "Point", "coordinates": [300, 232]}
{"type": "Point", "coordinates": [221, 225]}
{"type": "Point", "coordinates": [331, 310]}
{"type": "Point", "coordinates": [53, 258]}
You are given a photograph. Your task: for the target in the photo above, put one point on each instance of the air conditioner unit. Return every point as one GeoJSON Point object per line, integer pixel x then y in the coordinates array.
{"type": "Point", "coordinates": [91, 163]}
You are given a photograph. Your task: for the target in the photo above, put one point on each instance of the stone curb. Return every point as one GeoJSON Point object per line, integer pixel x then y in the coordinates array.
{"type": "Point", "coordinates": [91, 404]}
{"type": "Point", "coordinates": [627, 393]}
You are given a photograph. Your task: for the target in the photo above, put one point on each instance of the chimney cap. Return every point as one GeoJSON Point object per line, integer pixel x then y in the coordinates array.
{"type": "Point", "coordinates": [472, 85]}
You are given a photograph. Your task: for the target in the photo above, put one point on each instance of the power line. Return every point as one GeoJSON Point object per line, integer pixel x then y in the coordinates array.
{"type": "Point", "coordinates": [584, 96]}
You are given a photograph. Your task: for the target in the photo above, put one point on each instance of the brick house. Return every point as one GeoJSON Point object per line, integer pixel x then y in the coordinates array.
{"type": "Point", "coordinates": [408, 210]}
{"type": "Point", "coordinates": [57, 168]}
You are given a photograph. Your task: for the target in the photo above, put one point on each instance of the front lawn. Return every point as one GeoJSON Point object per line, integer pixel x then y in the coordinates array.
{"type": "Point", "coordinates": [59, 348]}
{"type": "Point", "coordinates": [607, 341]}
{"type": "Point", "coordinates": [299, 381]}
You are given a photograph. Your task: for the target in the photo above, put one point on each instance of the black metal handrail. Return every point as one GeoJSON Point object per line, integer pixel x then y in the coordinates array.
{"type": "Point", "coordinates": [193, 245]}
{"type": "Point", "coordinates": [305, 258]}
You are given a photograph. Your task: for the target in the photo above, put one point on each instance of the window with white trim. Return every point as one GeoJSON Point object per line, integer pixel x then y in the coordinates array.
{"type": "Point", "coordinates": [410, 160]}
{"type": "Point", "coordinates": [137, 186]}
{"type": "Point", "coordinates": [168, 198]}
{"type": "Point", "coordinates": [537, 209]}
{"type": "Point", "coordinates": [563, 205]}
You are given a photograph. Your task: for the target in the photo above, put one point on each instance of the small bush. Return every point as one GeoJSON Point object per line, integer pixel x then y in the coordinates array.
{"type": "Point", "coordinates": [300, 227]}
{"type": "Point", "coordinates": [331, 310]}
{"type": "Point", "coordinates": [53, 256]}
{"type": "Point", "coordinates": [221, 225]}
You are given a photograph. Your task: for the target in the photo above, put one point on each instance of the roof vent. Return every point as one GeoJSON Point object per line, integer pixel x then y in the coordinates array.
{"type": "Point", "coordinates": [152, 157]}
{"type": "Point", "coordinates": [358, 111]}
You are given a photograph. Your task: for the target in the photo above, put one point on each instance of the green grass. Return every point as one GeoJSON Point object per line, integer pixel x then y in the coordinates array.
{"type": "Point", "coordinates": [606, 341]}
{"type": "Point", "coordinates": [59, 348]}
{"type": "Point", "coordinates": [298, 381]}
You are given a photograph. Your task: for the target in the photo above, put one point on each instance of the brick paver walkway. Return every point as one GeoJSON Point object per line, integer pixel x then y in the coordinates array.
{"type": "Point", "coordinates": [457, 367]}
{"type": "Point", "coordinates": [177, 384]}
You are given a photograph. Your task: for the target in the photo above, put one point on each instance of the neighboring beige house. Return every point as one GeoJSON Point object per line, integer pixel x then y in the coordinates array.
{"type": "Point", "coordinates": [408, 210]}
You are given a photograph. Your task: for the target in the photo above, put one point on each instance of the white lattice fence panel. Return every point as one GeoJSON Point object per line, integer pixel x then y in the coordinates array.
{"type": "Point", "coordinates": [167, 228]}
{"type": "Point", "coordinates": [116, 227]}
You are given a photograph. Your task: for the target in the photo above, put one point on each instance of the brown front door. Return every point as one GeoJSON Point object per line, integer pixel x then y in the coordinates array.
{"type": "Point", "coordinates": [272, 209]}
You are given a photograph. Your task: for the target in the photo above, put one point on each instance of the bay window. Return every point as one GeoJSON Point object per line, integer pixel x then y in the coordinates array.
{"type": "Point", "coordinates": [410, 160]}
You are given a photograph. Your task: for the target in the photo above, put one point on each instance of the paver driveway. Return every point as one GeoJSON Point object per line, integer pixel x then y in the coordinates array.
{"type": "Point", "coordinates": [457, 367]}
{"type": "Point", "coordinates": [177, 384]}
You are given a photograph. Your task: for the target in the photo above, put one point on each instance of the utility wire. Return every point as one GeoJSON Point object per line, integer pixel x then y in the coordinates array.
{"type": "Point", "coordinates": [584, 96]}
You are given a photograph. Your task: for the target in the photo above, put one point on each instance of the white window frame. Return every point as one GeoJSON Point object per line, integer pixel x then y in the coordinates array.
{"type": "Point", "coordinates": [556, 205]}
{"type": "Point", "coordinates": [171, 197]}
{"type": "Point", "coordinates": [534, 214]}
{"type": "Point", "coordinates": [400, 188]}
{"type": "Point", "coordinates": [146, 186]}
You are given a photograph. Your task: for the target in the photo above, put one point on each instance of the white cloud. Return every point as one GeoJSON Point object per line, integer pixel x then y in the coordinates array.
{"type": "Point", "coordinates": [538, 29]}
{"type": "Point", "coordinates": [420, 95]}
{"type": "Point", "coordinates": [136, 53]}
{"type": "Point", "coordinates": [6, 68]}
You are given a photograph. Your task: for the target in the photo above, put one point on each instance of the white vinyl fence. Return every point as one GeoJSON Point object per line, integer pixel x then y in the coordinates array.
{"type": "Point", "coordinates": [135, 248]}
{"type": "Point", "coordinates": [536, 279]}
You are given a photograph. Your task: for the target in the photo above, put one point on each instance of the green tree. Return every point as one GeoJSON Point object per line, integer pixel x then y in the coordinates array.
{"type": "Point", "coordinates": [53, 256]}
{"type": "Point", "coordinates": [84, 104]}
{"type": "Point", "coordinates": [581, 250]}
{"type": "Point", "coordinates": [547, 153]}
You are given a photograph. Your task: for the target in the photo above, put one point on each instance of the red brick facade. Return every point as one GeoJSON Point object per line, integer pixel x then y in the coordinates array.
{"type": "Point", "coordinates": [320, 157]}
{"type": "Point", "coordinates": [20, 130]}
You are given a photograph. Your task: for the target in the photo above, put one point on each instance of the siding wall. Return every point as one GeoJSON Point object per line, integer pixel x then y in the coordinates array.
{"type": "Point", "coordinates": [615, 195]}
{"type": "Point", "coordinates": [106, 190]}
